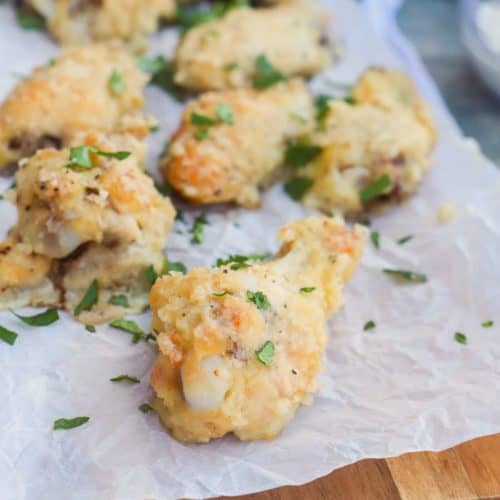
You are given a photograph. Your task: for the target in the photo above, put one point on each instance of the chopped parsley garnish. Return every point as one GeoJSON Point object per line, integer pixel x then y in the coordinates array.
{"type": "Point", "coordinates": [145, 408]}
{"type": "Point", "coordinates": [307, 289]}
{"type": "Point", "coordinates": [350, 100]}
{"type": "Point", "coordinates": [197, 229]}
{"type": "Point", "coordinates": [162, 72]}
{"type": "Point", "coordinates": [487, 324]}
{"type": "Point", "coordinates": [230, 66]}
{"type": "Point", "coordinates": [129, 326]}
{"type": "Point", "coordinates": [154, 128]}
{"type": "Point", "coordinates": [266, 353]}
{"type": "Point", "coordinates": [29, 19]}
{"type": "Point", "coordinates": [125, 378]}
{"type": "Point", "coordinates": [174, 266]}
{"type": "Point", "coordinates": [221, 294]}
{"type": "Point", "coordinates": [266, 74]}
{"type": "Point", "coordinates": [188, 16]}
{"type": "Point", "coordinates": [298, 187]}
{"type": "Point", "coordinates": [43, 319]}
{"type": "Point", "coordinates": [199, 119]}
{"type": "Point", "coordinates": [366, 222]}
{"type": "Point", "coordinates": [115, 83]}
{"type": "Point", "coordinates": [404, 239]}
{"type": "Point", "coordinates": [90, 328]}
{"type": "Point", "coordinates": [369, 325]}
{"type": "Point", "coordinates": [201, 134]}
{"type": "Point", "coordinates": [89, 299]}
{"type": "Point", "coordinates": [79, 156]}
{"type": "Point", "coordinates": [8, 336]}
{"type": "Point", "coordinates": [298, 155]}
{"type": "Point", "coordinates": [259, 299]}
{"type": "Point", "coordinates": [376, 188]}
{"type": "Point", "coordinates": [460, 338]}
{"type": "Point", "coordinates": [322, 103]}
{"type": "Point", "coordinates": [151, 274]}
{"type": "Point", "coordinates": [375, 239]}
{"type": "Point", "coordinates": [410, 276]}
{"type": "Point", "coordinates": [164, 189]}
{"type": "Point", "coordinates": [225, 113]}
{"type": "Point", "coordinates": [119, 300]}
{"type": "Point", "coordinates": [69, 423]}
{"type": "Point", "coordinates": [236, 262]}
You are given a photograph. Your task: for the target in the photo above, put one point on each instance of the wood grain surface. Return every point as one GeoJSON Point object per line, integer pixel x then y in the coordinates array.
{"type": "Point", "coordinates": [468, 471]}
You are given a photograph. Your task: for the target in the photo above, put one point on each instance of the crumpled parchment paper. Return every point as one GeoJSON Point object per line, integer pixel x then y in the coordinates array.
{"type": "Point", "coordinates": [404, 386]}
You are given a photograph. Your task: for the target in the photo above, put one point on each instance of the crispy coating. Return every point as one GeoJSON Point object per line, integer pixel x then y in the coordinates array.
{"type": "Point", "coordinates": [128, 20]}
{"type": "Point", "coordinates": [107, 223]}
{"type": "Point", "coordinates": [24, 276]}
{"type": "Point", "coordinates": [207, 377]}
{"type": "Point", "coordinates": [222, 54]}
{"type": "Point", "coordinates": [72, 95]}
{"type": "Point", "coordinates": [236, 159]}
{"type": "Point", "coordinates": [387, 132]}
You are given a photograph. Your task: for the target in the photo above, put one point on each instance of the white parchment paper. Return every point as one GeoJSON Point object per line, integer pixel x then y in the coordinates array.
{"type": "Point", "coordinates": [404, 386]}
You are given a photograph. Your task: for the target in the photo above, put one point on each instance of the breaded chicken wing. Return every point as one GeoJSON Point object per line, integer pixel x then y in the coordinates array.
{"type": "Point", "coordinates": [224, 53]}
{"type": "Point", "coordinates": [86, 215]}
{"type": "Point", "coordinates": [375, 147]}
{"type": "Point", "coordinates": [241, 347]}
{"type": "Point", "coordinates": [82, 22]}
{"type": "Point", "coordinates": [230, 159]}
{"type": "Point", "coordinates": [96, 88]}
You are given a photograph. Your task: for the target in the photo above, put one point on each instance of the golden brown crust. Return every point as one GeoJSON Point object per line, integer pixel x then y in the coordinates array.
{"type": "Point", "coordinates": [72, 95]}
{"type": "Point", "coordinates": [106, 223]}
{"type": "Point", "coordinates": [128, 20]}
{"type": "Point", "coordinates": [207, 378]}
{"type": "Point", "coordinates": [236, 159]}
{"type": "Point", "coordinates": [222, 54]}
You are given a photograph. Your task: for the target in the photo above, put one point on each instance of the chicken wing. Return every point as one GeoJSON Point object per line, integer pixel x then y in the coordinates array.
{"type": "Point", "coordinates": [96, 88]}
{"type": "Point", "coordinates": [225, 53]}
{"type": "Point", "coordinates": [82, 22]}
{"type": "Point", "coordinates": [376, 146]}
{"type": "Point", "coordinates": [86, 214]}
{"type": "Point", "coordinates": [241, 345]}
{"type": "Point", "coordinates": [230, 143]}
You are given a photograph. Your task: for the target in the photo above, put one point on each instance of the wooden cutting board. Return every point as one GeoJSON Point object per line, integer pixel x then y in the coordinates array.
{"type": "Point", "coordinates": [468, 471]}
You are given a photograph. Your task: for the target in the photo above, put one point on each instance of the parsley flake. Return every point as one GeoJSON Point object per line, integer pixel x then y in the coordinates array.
{"type": "Point", "coordinates": [410, 276]}
{"type": "Point", "coordinates": [29, 19]}
{"type": "Point", "coordinates": [221, 294]}
{"type": "Point", "coordinates": [487, 324]}
{"type": "Point", "coordinates": [298, 187]}
{"type": "Point", "coordinates": [115, 83]}
{"type": "Point", "coordinates": [259, 299]}
{"type": "Point", "coordinates": [376, 188]}
{"type": "Point", "coordinates": [375, 239]}
{"type": "Point", "coordinates": [369, 325]}
{"type": "Point", "coordinates": [299, 155]}
{"type": "Point", "coordinates": [69, 423]}
{"type": "Point", "coordinates": [266, 74]}
{"type": "Point", "coordinates": [162, 75]}
{"type": "Point", "coordinates": [90, 328]}
{"type": "Point", "coordinates": [125, 378]}
{"type": "Point", "coordinates": [89, 299]}
{"type": "Point", "coordinates": [151, 274]}
{"type": "Point", "coordinates": [43, 319]}
{"type": "Point", "coordinates": [8, 336]}
{"type": "Point", "coordinates": [79, 156]}
{"type": "Point", "coordinates": [307, 289]}
{"type": "Point", "coordinates": [119, 300]}
{"type": "Point", "coordinates": [129, 326]}
{"type": "Point", "coordinates": [322, 104]}
{"type": "Point", "coordinates": [197, 229]}
{"type": "Point", "coordinates": [199, 119]}
{"type": "Point", "coordinates": [201, 134]}
{"type": "Point", "coordinates": [236, 262]}
{"type": "Point", "coordinates": [266, 353]}
{"type": "Point", "coordinates": [460, 338]}
{"type": "Point", "coordinates": [225, 113]}
{"type": "Point", "coordinates": [145, 408]}
{"type": "Point", "coordinates": [170, 266]}
{"type": "Point", "coordinates": [404, 239]}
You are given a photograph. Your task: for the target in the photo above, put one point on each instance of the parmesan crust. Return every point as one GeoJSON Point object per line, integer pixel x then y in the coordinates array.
{"type": "Point", "coordinates": [207, 378]}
